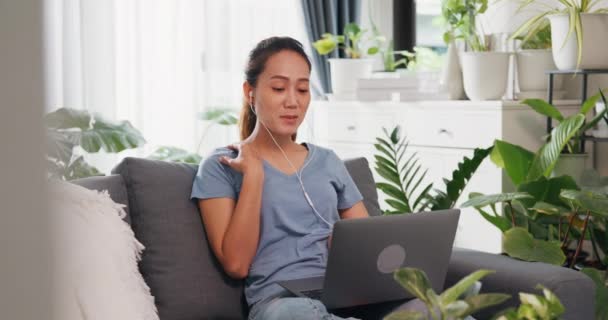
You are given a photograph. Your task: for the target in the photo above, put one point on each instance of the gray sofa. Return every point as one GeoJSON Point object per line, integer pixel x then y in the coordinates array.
{"type": "Point", "coordinates": [188, 282]}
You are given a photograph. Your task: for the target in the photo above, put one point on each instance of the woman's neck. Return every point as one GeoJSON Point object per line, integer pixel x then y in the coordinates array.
{"type": "Point", "coordinates": [263, 141]}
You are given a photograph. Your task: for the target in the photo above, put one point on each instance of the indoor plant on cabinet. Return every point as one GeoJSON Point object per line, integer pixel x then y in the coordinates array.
{"type": "Point", "coordinates": [346, 71]}
{"type": "Point", "coordinates": [479, 61]}
{"type": "Point", "coordinates": [579, 30]}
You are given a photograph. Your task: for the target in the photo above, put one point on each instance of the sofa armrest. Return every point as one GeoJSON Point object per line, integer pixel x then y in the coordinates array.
{"type": "Point", "coordinates": [575, 290]}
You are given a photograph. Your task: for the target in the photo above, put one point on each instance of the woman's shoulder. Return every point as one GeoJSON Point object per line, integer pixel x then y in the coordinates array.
{"type": "Point", "coordinates": [211, 161]}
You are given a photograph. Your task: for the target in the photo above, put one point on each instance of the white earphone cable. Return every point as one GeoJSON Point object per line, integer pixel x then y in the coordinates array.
{"type": "Point", "coordinates": [298, 174]}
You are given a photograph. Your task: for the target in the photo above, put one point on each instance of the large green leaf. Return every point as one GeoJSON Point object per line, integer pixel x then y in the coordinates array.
{"type": "Point", "coordinates": [460, 177]}
{"type": "Point", "coordinates": [544, 108]}
{"type": "Point", "coordinates": [482, 201]}
{"type": "Point", "coordinates": [547, 190]}
{"type": "Point", "coordinates": [514, 159]}
{"type": "Point", "coordinates": [601, 291]}
{"type": "Point", "coordinates": [587, 200]}
{"type": "Point", "coordinates": [111, 137]}
{"type": "Point", "coordinates": [520, 244]}
{"type": "Point", "coordinates": [544, 161]}
{"type": "Point", "coordinates": [450, 295]}
{"type": "Point", "coordinates": [175, 154]}
{"type": "Point", "coordinates": [415, 282]}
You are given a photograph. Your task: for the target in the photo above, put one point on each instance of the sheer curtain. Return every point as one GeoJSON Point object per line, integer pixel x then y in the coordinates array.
{"type": "Point", "coordinates": [158, 63]}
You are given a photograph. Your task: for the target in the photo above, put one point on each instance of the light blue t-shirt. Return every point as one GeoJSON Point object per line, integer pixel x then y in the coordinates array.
{"type": "Point", "coordinates": [293, 240]}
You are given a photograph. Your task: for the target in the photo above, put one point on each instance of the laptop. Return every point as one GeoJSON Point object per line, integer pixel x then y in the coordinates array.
{"type": "Point", "coordinates": [365, 252]}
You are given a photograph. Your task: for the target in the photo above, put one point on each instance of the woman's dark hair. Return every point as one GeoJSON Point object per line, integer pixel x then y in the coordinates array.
{"type": "Point", "coordinates": [255, 66]}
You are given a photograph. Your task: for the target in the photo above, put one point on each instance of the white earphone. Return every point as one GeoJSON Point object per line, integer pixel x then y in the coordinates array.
{"type": "Point", "coordinates": [298, 174]}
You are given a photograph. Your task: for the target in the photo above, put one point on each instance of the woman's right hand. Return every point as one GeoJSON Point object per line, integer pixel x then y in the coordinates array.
{"type": "Point", "coordinates": [247, 160]}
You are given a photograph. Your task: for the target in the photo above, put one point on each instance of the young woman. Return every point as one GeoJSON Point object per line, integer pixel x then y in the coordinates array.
{"type": "Point", "coordinates": [268, 203]}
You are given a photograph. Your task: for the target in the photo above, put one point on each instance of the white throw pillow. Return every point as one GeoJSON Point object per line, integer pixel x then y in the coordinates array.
{"type": "Point", "coordinates": [95, 254]}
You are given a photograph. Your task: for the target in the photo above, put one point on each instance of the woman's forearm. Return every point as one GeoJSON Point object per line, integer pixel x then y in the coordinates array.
{"type": "Point", "coordinates": [241, 239]}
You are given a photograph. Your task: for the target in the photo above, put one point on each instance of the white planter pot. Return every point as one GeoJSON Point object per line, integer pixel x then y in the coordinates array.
{"type": "Point", "coordinates": [531, 67]}
{"type": "Point", "coordinates": [571, 164]}
{"type": "Point", "coordinates": [595, 45]}
{"type": "Point", "coordinates": [485, 74]}
{"type": "Point", "coordinates": [345, 73]}
{"type": "Point", "coordinates": [602, 126]}
{"type": "Point", "coordinates": [451, 74]}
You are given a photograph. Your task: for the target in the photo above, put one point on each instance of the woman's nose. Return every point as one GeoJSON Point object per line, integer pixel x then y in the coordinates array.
{"type": "Point", "coordinates": [291, 99]}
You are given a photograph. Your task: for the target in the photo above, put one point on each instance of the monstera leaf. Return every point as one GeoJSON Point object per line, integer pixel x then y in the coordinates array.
{"type": "Point", "coordinates": [175, 154]}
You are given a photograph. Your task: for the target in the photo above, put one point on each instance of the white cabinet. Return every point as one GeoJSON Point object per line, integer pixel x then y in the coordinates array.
{"type": "Point", "coordinates": [442, 133]}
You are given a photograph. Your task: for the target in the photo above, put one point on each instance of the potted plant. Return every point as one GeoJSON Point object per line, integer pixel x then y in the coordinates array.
{"type": "Point", "coordinates": [345, 72]}
{"type": "Point", "coordinates": [572, 159]}
{"type": "Point", "coordinates": [534, 58]}
{"type": "Point", "coordinates": [479, 62]}
{"type": "Point", "coordinates": [579, 30]}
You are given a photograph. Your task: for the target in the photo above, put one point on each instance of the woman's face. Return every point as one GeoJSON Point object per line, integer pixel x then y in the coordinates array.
{"type": "Point", "coordinates": [282, 95]}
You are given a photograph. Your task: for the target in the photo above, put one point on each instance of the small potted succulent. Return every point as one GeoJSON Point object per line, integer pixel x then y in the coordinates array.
{"type": "Point", "coordinates": [356, 65]}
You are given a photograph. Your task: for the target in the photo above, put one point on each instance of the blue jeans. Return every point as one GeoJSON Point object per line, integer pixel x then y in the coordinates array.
{"type": "Point", "coordinates": [291, 308]}
{"type": "Point", "coordinates": [286, 307]}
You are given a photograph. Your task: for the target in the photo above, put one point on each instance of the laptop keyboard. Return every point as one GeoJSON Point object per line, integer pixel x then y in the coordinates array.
{"type": "Point", "coordinates": [313, 294]}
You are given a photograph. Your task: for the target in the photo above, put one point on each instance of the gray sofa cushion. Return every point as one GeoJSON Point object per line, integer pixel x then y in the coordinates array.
{"type": "Point", "coordinates": [114, 184]}
{"type": "Point", "coordinates": [178, 265]}
{"type": "Point", "coordinates": [358, 168]}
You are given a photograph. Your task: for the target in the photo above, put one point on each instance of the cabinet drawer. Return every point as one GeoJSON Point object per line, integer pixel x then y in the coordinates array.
{"type": "Point", "coordinates": [458, 129]}
{"type": "Point", "coordinates": [345, 125]}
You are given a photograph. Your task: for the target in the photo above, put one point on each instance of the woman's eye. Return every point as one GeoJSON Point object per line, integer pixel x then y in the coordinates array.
{"type": "Point", "coordinates": [304, 90]}
{"type": "Point", "coordinates": [278, 89]}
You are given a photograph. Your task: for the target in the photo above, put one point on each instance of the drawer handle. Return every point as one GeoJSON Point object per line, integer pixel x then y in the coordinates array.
{"type": "Point", "coordinates": [351, 128]}
{"type": "Point", "coordinates": [444, 131]}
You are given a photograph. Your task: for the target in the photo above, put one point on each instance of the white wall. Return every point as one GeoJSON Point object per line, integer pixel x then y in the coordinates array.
{"type": "Point", "coordinates": [24, 283]}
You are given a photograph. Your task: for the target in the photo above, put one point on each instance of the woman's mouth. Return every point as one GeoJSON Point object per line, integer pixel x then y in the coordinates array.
{"type": "Point", "coordinates": [289, 119]}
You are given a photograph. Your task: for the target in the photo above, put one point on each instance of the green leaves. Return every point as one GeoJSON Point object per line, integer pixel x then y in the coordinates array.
{"type": "Point", "coordinates": [415, 282]}
{"type": "Point", "coordinates": [350, 40]}
{"type": "Point", "coordinates": [546, 307]}
{"type": "Point", "coordinates": [452, 294]}
{"type": "Point", "coordinates": [514, 159]}
{"type": "Point", "coordinates": [482, 201]}
{"type": "Point", "coordinates": [221, 116]}
{"type": "Point", "coordinates": [174, 154]}
{"type": "Point", "coordinates": [518, 243]}
{"type": "Point", "coordinates": [68, 128]}
{"type": "Point", "coordinates": [587, 200]}
{"type": "Point", "coordinates": [544, 108]}
{"type": "Point", "coordinates": [601, 291]}
{"type": "Point", "coordinates": [403, 176]}
{"type": "Point", "coordinates": [544, 161]}
{"type": "Point", "coordinates": [460, 177]}
{"type": "Point", "coordinates": [450, 304]}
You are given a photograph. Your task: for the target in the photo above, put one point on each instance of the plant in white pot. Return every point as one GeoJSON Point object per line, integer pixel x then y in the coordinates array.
{"type": "Point", "coordinates": [572, 160]}
{"type": "Point", "coordinates": [579, 29]}
{"type": "Point", "coordinates": [533, 59]}
{"type": "Point", "coordinates": [346, 71]}
{"type": "Point", "coordinates": [484, 72]}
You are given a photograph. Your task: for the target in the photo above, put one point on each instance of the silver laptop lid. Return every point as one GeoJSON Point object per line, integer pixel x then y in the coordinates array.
{"type": "Point", "coordinates": [365, 253]}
